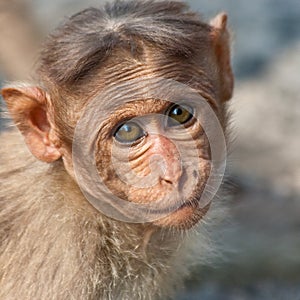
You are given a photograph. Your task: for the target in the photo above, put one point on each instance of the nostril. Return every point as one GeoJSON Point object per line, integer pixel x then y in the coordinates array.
{"type": "Point", "coordinates": [182, 180]}
{"type": "Point", "coordinates": [166, 180]}
{"type": "Point", "coordinates": [195, 174]}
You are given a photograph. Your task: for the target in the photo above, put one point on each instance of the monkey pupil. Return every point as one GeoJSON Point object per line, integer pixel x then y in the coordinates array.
{"type": "Point", "coordinates": [180, 114]}
{"type": "Point", "coordinates": [127, 128]}
{"type": "Point", "coordinates": [178, 111]}
{"type": "Point", "coordinates": [129, 132]}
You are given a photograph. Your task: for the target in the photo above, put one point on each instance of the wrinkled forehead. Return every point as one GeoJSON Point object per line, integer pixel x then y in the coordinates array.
{"type": "Point", "coordinates": [125, 64]}
{"type": "Point", "coordinates": [154, 75]}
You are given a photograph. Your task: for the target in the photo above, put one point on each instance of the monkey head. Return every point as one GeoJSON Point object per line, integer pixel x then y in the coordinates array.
{"type": "Point", "coordinates": [133, 105]}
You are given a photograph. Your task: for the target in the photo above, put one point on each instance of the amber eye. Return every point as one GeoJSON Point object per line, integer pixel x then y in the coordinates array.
{"type": "Point", "coordinates": [179, 114]}
{"type": "Point", "coordinates": [129, 132]}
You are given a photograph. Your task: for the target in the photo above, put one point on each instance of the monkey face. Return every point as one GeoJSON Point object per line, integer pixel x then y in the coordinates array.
{"type": "Point", "coordinates": [161, 157]}
{"type": "Point", "coordinates": [155, 155]}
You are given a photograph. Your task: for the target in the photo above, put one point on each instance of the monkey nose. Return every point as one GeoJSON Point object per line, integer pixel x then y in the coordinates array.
{"type": "Point", "coordinates": [170, 171]}
{"type": "Point", "coordinates": [165, 161]}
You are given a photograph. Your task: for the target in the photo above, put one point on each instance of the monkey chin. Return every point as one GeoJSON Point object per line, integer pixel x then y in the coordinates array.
{"type": "Point", "coordinates": [185, 217]}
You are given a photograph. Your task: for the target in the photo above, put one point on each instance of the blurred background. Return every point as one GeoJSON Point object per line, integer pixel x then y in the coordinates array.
{"type": "Point", "coordinates": [264, 164]}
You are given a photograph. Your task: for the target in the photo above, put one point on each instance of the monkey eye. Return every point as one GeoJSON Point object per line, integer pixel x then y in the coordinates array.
{"type": "Point", "coordinates": [179, 114]}
{"type": "Point", "coordinates": [129, 132]}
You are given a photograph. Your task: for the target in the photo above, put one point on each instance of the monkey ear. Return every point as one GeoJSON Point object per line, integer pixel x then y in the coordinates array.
{"type": "Point", "coordinates": [27, 106]}
{"type": "Point", "coordinates": [221, 42]}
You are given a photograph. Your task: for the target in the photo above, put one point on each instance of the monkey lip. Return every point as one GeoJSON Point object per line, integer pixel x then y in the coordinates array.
{"type": "Point", "coordinates": [190, 206]}
{"type": "Point", "coordinates": [191, 203]}
{"type": "Point", "coordinates": [184, 218]}
{"type": "Point", "coordinates": [194, 203]}
{"type": "Point", "coordinates": [188, 214]}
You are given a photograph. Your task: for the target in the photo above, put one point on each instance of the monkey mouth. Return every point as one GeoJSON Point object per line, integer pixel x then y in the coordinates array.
{"type": "Point", "coordinates": [194, 202]}
{"type": "Point", "coordinates": [178, 209]}
{"type": "Point", "coordinates": [187, 215]}
{"type": "Point", "coordinates": [190, 212]}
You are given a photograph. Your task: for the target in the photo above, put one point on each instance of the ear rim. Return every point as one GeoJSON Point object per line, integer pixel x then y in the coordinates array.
{"type": "Point", "coordinates": [219, 21]}
{"type": "Point", "coordinates": [25, 103]}
{"type": "Point", "coordinates": [221, 43]}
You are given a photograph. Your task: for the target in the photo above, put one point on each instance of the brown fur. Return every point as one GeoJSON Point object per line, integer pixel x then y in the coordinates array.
{"type": "Point", "coordinates": [53, 243]}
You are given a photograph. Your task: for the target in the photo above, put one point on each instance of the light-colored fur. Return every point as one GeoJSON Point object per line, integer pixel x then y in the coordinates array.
{"type": "Point", "coordinates": [54, 245]}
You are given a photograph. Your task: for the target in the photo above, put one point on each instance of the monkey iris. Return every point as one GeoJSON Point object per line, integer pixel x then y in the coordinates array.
{"type": "Point", "coordinates": [130, 132]}
{"type": "Point", "coordinates": [179, 114]}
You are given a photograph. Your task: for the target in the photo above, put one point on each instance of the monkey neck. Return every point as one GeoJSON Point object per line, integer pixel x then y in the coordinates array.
{"type": "Point", "coordinates": [128, 243]}
{"type": "Point", "coordinates": [66, 250]}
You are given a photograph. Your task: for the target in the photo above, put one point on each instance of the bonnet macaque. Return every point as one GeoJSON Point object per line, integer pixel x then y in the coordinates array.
{"type": "Point", "coordinates": [122, 121]}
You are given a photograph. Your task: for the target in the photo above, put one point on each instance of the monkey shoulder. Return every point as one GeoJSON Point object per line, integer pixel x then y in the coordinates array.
{"type": "Point", "coordinates": [13, 151]}
{"type": "Point", "coordinates": [20, 171]}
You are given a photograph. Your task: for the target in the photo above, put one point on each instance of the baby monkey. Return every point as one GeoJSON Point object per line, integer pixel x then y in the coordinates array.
{"type": "Point", "coordinates": [125, 123]}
